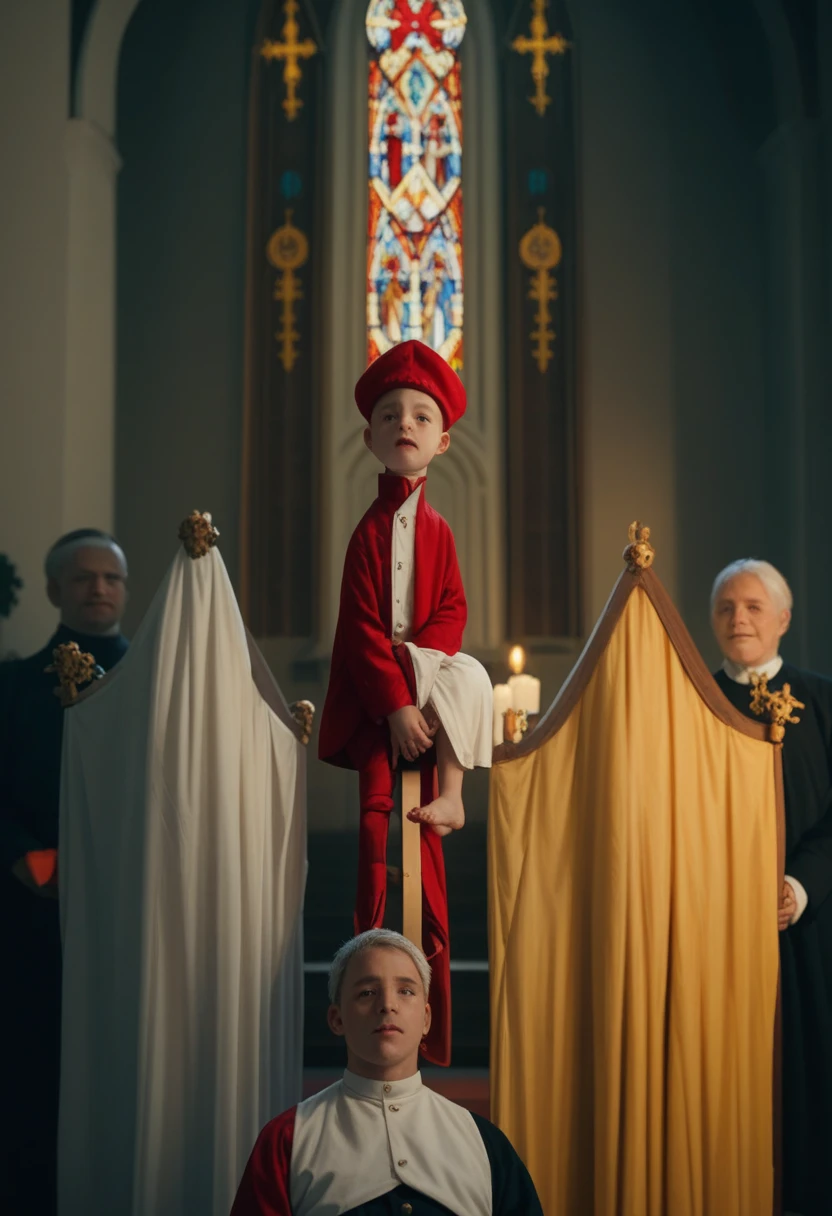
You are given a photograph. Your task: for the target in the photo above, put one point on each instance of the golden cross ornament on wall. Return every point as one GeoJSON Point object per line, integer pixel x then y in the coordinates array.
{"type": "Point", "coordinates": [287, 251]}
{"type": "Point", "coordinates": [540, 251]}
{"type": "Point", "coordinates": [290, 51]}
{"type": "Point", "coordinates": [539, 45]}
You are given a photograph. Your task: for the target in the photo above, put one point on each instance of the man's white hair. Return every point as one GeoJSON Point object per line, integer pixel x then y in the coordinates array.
{"type": "Point", "coordinates": [81, 538]}
{"type": "Point", "coordinates": [385, 938]}
{"type": "Point", "coordinates": [778, 589]}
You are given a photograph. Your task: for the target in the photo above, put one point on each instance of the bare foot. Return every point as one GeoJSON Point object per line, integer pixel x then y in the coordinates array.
{"type": "Point", "coordinates": [445, 814]}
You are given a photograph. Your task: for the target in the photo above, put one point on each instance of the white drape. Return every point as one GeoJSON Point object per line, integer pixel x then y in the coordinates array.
{"type": "Point", "coordinates": [182, 872]}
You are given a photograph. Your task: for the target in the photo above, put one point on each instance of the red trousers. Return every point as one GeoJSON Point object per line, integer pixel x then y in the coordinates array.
{"type": "Point", "coordinates": [375, 787]}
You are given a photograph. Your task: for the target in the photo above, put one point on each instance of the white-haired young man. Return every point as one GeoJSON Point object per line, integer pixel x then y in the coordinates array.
{"type": "Point", "coordinates": [378, 1141]}
{"type": "Point", "coordinates": [751, 610]}
{"type": "Point", "coordinates": [86, 576]}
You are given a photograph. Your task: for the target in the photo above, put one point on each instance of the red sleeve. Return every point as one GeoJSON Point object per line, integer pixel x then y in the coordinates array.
{"type": "Point", "coordinates": [377, 678]}
{"type": "Point", "coordinates": [264, 1190]}
{"type": "Point", "coordinates": [42, 864]}
{"type": "Point", "coordinates": [444, 630]}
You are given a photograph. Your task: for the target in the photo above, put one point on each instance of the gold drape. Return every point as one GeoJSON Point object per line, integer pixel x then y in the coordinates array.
{"type": "Point", "coordinates": [633, 939]}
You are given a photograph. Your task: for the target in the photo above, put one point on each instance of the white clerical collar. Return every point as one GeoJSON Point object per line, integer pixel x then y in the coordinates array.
{"type": "Point", "coordinates": [742, 675]}
{"type": "Point", "coordinates": [381, 1091]}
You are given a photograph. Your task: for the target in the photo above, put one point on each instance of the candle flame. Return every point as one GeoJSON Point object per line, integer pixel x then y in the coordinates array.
{"type": "Point", "coordinates": [517, 659]}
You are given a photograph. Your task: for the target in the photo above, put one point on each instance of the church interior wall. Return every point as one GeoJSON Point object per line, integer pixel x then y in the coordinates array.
{"type": "Point", "coordinates": [183, 110]}
{"type": "Point", "coordinates": [670, 289]}
{"type": "Point", "coordinates": [34, 73]}
{"type": "Point", "coordinates": [820, 557]}
{"type": "Point", "coordinates": [672, 315]}
{"type": "Point", "coordinates": [674, 351]}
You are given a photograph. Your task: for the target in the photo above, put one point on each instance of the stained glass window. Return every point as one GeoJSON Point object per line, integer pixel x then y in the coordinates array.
{"type": "Point", "coordinates": [414, 256]}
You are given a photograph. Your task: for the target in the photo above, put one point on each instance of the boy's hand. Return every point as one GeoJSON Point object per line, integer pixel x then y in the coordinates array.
{"type": "Point", "coordinates": [410, 734]}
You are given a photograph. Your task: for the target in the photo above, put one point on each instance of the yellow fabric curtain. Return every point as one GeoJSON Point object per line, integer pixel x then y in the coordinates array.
{"type": "Point", "coordinates": [634, 952]}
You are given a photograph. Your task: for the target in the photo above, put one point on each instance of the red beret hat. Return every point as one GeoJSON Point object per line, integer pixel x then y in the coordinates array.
{"type": "Point", "coordinates": [412, 365]}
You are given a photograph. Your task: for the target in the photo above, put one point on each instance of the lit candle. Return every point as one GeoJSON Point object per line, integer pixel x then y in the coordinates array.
{"type": "Point", "coordinates": [502, 702]}
{"type": "Point", "coordinates": [525, 689]}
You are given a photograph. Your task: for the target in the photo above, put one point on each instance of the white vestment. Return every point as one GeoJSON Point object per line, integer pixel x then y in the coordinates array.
{"type": "Point", "coordinates": [360, 1139]}
{"type": "Point", "coordinates": [456, 686]}
{"type": "Point", "coordinates": [182, 873]}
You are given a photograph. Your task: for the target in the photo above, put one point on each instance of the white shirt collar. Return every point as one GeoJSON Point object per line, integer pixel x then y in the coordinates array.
{"type": "Point", "coordinates": [381, 1091]}
{"type": "Point", "coordinates": [742, 675]}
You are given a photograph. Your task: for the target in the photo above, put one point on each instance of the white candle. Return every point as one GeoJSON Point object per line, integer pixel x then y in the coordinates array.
{"type": "Point", "coordinates": [502, 702]}
{"type": "Point", "coordinates": [525, 693]}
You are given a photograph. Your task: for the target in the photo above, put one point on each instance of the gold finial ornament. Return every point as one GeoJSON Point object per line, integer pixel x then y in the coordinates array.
{"type": "Point", "coordinates": [541, 251]}
{"type": "Point", "coordinates": [541, 44]}
{"type": "Point", "coordinates": [639, 553]}
{"type": "Point", "coordinates": [304, 714]}
{"type": "Point", "coordinates": [515, 725]}
{"type": "Point", "coordinates": [779, 706]}
{"type": "Point", "coordinates": [198, 534]}
{"type": "Point", "coordinates": [290, 52]}
{"type": "Point", "coordinates": [72, 666]}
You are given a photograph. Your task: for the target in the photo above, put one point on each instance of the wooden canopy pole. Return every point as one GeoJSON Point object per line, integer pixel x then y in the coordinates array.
{"type": "Point", "coordinates": [411, 859]}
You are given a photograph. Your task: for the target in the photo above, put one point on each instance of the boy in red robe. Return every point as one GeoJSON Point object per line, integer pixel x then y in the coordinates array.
{"type": "Point", "coordinates": [398, 683]}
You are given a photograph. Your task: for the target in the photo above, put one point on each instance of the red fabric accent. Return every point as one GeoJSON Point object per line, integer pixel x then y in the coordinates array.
{"type": "Point", "coordinates": [415, 23]}
{"type": "Point", "coordinates": [436, 938]}
{"type": "Point", "coordinates": [394, 150]}
{"type": "Point", "coordinates": [375, 786]}
{"type": "Point", "coordinates": [42, 864]}
{"type": "Point", "coordinates": [265, 1186]}
{"type": "Point", "coordinates": [371, 894]}
{"type": "Point", "coordinates": [412, 364]}
{"type": "Point", "coordinates": [366, 681]}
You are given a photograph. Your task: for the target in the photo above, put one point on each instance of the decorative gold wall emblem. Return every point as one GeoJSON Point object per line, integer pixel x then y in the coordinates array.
{"type": "Point", "coordinates": [290, 51]}
{"type": "Point", "coordinates": [540, 251]}
{"type": "Point", "coordinates": [778, 707]}
{"type": "Point", "coordinates": [287, 251]}
{"type": "Point", "coordinates": [541, 44]}
{"type": "Point", "coordinates": [72, 666]}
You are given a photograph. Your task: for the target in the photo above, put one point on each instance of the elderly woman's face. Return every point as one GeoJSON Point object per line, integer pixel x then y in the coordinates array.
{"type": "Point", "coordinates": [747, 625]}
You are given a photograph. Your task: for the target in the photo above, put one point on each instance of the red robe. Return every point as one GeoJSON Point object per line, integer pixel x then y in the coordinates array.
{"type": "Point", "coordinates": [371, 678]}
{"type": "Point", "coordinates": [265, 1186]}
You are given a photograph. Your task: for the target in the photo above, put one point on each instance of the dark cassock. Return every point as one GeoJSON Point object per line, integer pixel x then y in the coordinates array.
{"type": "Point", "coordinates": [31, 729]}
{"type": "Point", "coordinates": [806, 946]}
{"type": "Point", "coordinates": [371, 1147]}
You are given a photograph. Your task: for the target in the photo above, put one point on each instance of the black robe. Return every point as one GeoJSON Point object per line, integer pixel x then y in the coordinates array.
{"type": "Point", "coordinates": [806, 947]}
{"type": "Point", "coordinates": [31, 731]}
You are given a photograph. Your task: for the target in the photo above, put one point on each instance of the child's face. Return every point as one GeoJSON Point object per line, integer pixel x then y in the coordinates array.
{"type": "Point", "coordinates": [406, 431]}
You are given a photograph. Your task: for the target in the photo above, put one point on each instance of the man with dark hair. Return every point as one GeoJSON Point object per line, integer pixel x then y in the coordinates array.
{"type": "Point", "coordinates": [86, 576]}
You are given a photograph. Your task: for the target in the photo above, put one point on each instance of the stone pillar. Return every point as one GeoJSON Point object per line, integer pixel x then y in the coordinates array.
{"type": "Point", "coordinates": [89, 449]}
{"type": "Point", "coordinates": [793, 486]}
{"type": "Point", "coordinates": [34, 85]}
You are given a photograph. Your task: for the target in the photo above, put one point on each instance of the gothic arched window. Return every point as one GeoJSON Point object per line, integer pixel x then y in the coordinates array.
{"type": "Point", "coordinates": [414, 254]}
